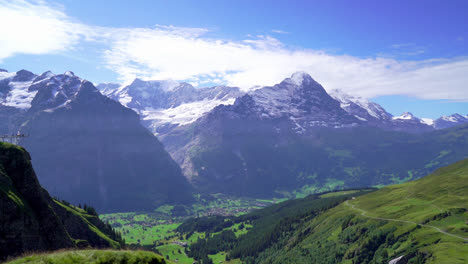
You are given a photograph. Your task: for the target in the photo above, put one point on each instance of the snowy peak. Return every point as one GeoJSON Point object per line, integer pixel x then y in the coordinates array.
{"type": "Point", "coordinates": [427, 121]}
{"type": "Point", "coordinates": [23, 76]}
{"type": "Point", "coordinates": [299, 99]}
{"type": "Point", "coordinates": [24, 90]}
{"type": "Point", "coordinates": [450, 121]}
{"type": "Point", "coordinates": [45, 75]}
{"type": "Point", "coordinates": [167, 103]}
{"type": "Point", "coordinates": [454, 118]}
{"type": "Point", "coordinates": [299, 78]}
{"type": "Point", "coordinates": [14, 90]}
{"type": "Point", "coordinates": [405, 116]}
{"type": "Point", "coordinates": [54, 91]}
{"type": "Point", "coordinates": [69, 73]}
{"type": "Point", "coordinates": [360, 107]}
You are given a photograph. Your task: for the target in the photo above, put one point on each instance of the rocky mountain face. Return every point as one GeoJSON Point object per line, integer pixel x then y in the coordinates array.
{"type": "Point", "coordinates": [164, 105]}
{"type": "Point", "coordinates": [87, 148]}
{"type": "Point", "coordinates": [294, 135]}
{"type": "Point", "coordinates": [30, 220]}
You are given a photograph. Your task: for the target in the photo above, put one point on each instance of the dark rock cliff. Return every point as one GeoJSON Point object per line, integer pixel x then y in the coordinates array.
{"type": "Point", "coordinates": [30, 220]}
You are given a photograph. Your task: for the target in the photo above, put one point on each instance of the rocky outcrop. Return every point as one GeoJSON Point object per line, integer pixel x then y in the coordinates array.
{"type": "Point", "coordinates": [27, 222]}
{"type": "Point", "coordinates": [30, 220]}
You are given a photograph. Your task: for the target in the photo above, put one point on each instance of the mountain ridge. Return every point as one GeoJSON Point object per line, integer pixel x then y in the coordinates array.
{"type": "Point", "coordinates": [369, 112]}
{"type": "Point", "coordinates": [70, 123]}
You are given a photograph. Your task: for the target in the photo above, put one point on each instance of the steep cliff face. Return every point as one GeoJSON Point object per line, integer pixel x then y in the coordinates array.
{"type": "Point", "coordinates": [95, 151]}
{"type": "Point", "coordinates": [30, 220]}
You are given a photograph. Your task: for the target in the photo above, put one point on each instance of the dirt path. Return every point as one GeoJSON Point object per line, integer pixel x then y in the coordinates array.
{"type": "Point", "coordinates": [364, 213]}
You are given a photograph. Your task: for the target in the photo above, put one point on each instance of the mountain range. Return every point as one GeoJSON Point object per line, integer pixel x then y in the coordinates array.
{"type": "Point", "coordinates": [167, 104]}
{"type": "Point", "coordinates": [293, 137]}
{"type": "Point", "coordinates": [87, 148]}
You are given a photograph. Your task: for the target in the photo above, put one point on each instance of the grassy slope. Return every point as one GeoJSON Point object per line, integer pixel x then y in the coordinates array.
{"type": "Point", "coordinates": [92, 257]}
{"type": "Point", "coordinates": [344, 235]}
{"type": "Point", "coordinates": [86, 218]}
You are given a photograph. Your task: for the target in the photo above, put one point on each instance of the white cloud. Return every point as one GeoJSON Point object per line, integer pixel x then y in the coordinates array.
{"type": "Point", "coordinates": [279, 31]}
{"type": "Point", "coordinates": [36, 28]}
{"type": "Point", "coordinates": [167, 52]}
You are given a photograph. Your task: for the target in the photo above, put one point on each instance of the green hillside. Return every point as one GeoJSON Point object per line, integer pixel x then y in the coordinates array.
{"type": "Point", "coordinates": [92, 257]}
{"type": "Point", "coordinates": [426, 221]}
{"type": "Point", "coordinates": [423, 221]}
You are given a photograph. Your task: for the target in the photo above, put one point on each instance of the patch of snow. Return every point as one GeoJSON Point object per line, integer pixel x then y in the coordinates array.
{"type": "Point", "coordinates": [360, 118]}
{"type": "Point", "coordinates": [299, 129]}
{"type": "Point", "coordinates": [125, 99]}
{"type": "Point", "coordinates": [19, 96]}
{"type": "Point", "coordinates": [404, 116]}
{"type": "Point", "coordinates": [298, 77]}
{"type": "Point", "coordinates": [345, 100]}
{"type": "Point", "coordinates": [69, 73]}
{"type": "Point", "coordinates": [427, 121]}
{"type": "Point", "coordinates": [6, 75]}
{"type": "Point", "coordinates": [183, 114]}
{"type": "Point", "coordinates": [455, 118]}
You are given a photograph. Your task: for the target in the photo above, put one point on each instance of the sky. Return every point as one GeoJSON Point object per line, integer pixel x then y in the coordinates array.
{"type": "Point", "coordinates": [405, 55]}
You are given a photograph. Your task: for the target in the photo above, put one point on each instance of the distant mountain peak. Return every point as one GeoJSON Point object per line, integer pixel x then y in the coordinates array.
{"type": "Point", "coordinates": [405, 115]}
{"type": "Point", "coordinates": [298, 78]}
{"type": "Point", "coordinates": [453, 118]}
{"type": "Point", "coordinates": [164, 85]}
{"type": "Point", "coordinates": [23, 76]}
{"type": "Point", "coordinates": [69, 73]}
{"type": "Point", "coordinates": [360, 107]}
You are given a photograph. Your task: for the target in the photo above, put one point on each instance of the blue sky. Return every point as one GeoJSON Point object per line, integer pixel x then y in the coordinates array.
{"type": "Point", "coordinates": [406, 55]}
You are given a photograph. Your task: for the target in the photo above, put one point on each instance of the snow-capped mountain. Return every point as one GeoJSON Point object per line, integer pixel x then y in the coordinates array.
{"type": "Point", "coordinates": [360, 107]}
{"type": "Point", "coordinates": [24, 90]}
{"type": "Point", "coordinates": [375, 115]}
{"type": "Point", "coordinates": [86, 147]}
{"type": "Point", "coordinates": [167, 104]}
{"type": "Point", "coordinates": [294, 134]}
{"type": "Point", "coordinates": [450, 121]}
{"type": "Point", "coordinates": [303, 101]}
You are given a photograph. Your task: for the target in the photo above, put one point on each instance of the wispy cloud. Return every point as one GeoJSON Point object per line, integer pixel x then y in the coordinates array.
{"type": "Point", "coordinates": [406, 49]}
{"type": "Point", "coordinates": [168, 52]}
{"type": "Point", "coordinates": [279, 31]}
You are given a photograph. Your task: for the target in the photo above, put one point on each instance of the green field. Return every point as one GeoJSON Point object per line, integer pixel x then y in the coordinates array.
{"type": "Point", "coordinates": [174, 253]}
